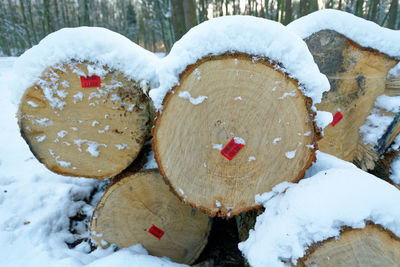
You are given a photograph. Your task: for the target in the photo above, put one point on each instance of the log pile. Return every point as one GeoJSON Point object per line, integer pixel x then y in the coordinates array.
{"type": "Point", "coordinates": [235, 126]}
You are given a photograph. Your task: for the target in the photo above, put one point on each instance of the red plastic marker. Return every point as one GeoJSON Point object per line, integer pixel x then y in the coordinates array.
{"type": "Point", "coordinates": [338, 116]}
{"type": "Point", "coordinates": [90, 81]}
{"type": "Point", "coordinates": [157, 232]}
{"type": "Point", "coordinates": [231, 149]}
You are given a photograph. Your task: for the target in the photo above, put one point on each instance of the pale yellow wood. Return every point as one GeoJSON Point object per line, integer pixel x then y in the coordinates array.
{"type": "Point", "coordinates": [97, 133]}
{"type": "Point", "coordinates": [357, 76]}
{"type": "Point", "coordinates": [371, 246]}
{"type": "Point", "coordinates": [393, 85]}
{"type": "Point", "coordinates": [131, 206]}
{"type": "Point", "coordinates": [246, 99]}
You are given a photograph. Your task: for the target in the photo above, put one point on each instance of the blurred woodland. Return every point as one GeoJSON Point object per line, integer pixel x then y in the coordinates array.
{"type": "Point", "coordinates": [157, 24]}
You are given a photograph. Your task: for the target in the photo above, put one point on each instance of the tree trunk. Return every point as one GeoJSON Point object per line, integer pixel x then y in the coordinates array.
{"type": "Point", "coordinates": [288, 11]}
{"type": "Point", "coordinates": [369, 246]}
{"type": "Point", "coordinates": [92, 134]}
{"type": "Point", "coordinates": [141, 209]}
{"type": "Point", "coordinates": [178, 19]}
{"type": "Point", "coordinates": [374, 10]}
{"type": "Point", "coordinates": [394, 6]}
{"type": "Point", "coordinates": [26, 27]}
{"type": "Point", "coordinates": [189, 11]}
{"type": "Point", "coordinates": [235, 108]}
{"type": "Point", "coordinates": [357, 76]}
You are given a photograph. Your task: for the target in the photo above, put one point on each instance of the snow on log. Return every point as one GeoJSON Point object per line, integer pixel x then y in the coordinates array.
{"type": "Point", "coordinates": [84, 110]}
{"type": "Point", "coordinates": [140, 208]}
{"type": "Point", "coordinates": [370, 246]}
{"type": "Point", "coordinates": [237, 114]}
{"type": "Point", "coordinates": [380, 129]}
{"type": "Point", "coordinates": [356, 68]}
{"type": "Point", "coordinates": [339, 216]}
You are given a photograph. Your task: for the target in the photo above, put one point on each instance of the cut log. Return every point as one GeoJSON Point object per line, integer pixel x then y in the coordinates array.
{"type": "Point", "coordinates": [357, 76]}
{"type": "Point", "coordinates": [242, 108]}
{"type": "Point", "coordinates": [140, 208]}
{"type": "Point", "coordinates": [368, 155]}
{"type": "Point", "coordinates": [87, 128]}
{"type": "Point", "coordinates": [370, 246]}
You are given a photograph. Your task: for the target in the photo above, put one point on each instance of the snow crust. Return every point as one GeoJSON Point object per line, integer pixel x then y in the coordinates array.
{"type": "Point", "coordinates": [36, 204]}
{"type": "Point", "coordinates": [366, 33]}
{"type": "Point", "coordinates": [94, 44]}
{"type": "Point", "coordinates": [235, 34]}
{"type": "Point", "coordinates": [395, 71]}
{"type": "Point", "coordinates": [377, 123]}
{"type": "Point", "coordinates": [298, 215]}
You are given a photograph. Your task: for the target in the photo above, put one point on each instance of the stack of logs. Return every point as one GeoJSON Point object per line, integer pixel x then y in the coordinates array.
{"type": "Point", "coordinates": [219, 154]}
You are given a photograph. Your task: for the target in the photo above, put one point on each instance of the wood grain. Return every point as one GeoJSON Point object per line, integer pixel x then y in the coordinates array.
{"type": "Point", "coordinates": [130, 207]}
{"type": "Point", "coordinates": [98, 131]}
{"type": "Point", "coordinates": [246, 98]}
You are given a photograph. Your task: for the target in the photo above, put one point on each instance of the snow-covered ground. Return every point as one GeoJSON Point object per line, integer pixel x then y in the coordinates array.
{"type": "Point", "coordinates": [35, 205]}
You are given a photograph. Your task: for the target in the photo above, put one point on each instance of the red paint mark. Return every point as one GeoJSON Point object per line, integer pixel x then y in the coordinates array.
{"type": "Point", "coordinates": [90, 81]}
{"type": "Point", "coordinates": [157, 232]}
{"type": "Point", "coordinates": [231, 149]}
{"type": "Point", "coordinates": [338, 116]}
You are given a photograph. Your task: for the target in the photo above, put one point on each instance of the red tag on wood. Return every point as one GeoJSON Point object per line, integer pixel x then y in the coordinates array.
{"type": "Point", "coordinates": [231, 149]}
{"type": "Point", "coordinates": [157, 232]}
{"type": "Point", "coordinates": [90, 81]}
{"type": "Point", "coordinates": [338, 116]}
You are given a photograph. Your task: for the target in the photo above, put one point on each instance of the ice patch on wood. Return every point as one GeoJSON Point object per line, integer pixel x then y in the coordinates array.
{"type": "Point", "coordinates": [92, 146]}
{"type": "Point", "coordinates": [276, 140]}
{"type": "Point", "coordinates": [44, 122]}
{"type": "Point", "coordinates": [217, 146]}
{"type": "Point", "coordinates": [40, 138]}
{"type": "Point", "coordinates": [290, 154]}
{"type": "Point", "coordinates": [32, 104]}
{"type": "Point", "coordinates": [239, 140]}
{"type": "Point", "coordinates": [122, 146]}
{"type": "Point", "coordinates": [194, 101]}
{"type": "Point", "coordinates": [62, 133]}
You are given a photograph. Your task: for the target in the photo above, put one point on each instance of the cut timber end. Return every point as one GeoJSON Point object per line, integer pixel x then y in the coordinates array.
{"type": "Point", "coordinates": [129, 209]}
{"type": "Point", "coordinates": [241, 98]}
{"type": "Point", "coordinates": [370, 246]}
{"type": "Point", "coordinates": [91, 132]}
{"type": "Point", "coordinates": [357, 76]}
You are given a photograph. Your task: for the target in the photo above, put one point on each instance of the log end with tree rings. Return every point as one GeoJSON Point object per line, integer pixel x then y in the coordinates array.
{"type": "Point", "coordinates": [369, 246]}
{"type": "Point", "coordinates": [234, 127]}
{"type": "Point", "coordinates": [141, 209]}
{"type": "Point", "coordinates": [84, 125]}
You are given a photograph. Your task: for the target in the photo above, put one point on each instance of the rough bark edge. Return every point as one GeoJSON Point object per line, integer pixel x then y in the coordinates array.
{"type": "Point", "coordinates": [100, 177]}
{"type": "Point", "coordinates": [355, 44]}
{"type": "Point", "coordinates": [311, 249]}
{"type": "Point", "coordinates": [278, 67]}
{"type": "Point", "coordinates": [121, 179]}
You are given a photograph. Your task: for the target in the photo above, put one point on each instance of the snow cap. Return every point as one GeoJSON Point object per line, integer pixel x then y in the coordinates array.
{"type": "Point", "coordinates": [93, 44]}
{"type": "Point", "coordinates": [366, 33]}
{"type": "Point", "coordinates": [245, 34]}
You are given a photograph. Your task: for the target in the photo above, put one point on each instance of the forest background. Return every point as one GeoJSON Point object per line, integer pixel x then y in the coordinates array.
{"type": "Point", "coordinates": [157, 24]}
